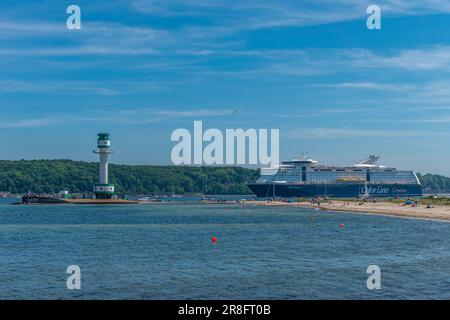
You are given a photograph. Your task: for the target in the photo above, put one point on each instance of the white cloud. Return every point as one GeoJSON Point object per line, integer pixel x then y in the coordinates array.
{"type": "Point", "coordinates": [176, 113]}
{"type": "Point", "coordinates": [130, 116]}
{"type": "Point", "coordinates": [56, 87]}
{"type": "Point", "coordinates": [255, 14]}
{"type": "Point", "coordinates": [367, 86]}
{"type": "Point", "coordinates": [194, 113]}
{"type": "Point", "coordinates": [95, 38]}
{"type": "Point", "coordinates": [28, 123]}
{"type": "Point", "coordinates": [338, 133]}
{"type": "Point", "coordinates": [431, 58]}
{"type": "Point", "coordinates": [328, 61]}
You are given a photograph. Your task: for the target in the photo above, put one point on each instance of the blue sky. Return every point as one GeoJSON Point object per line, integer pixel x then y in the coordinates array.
{"type": "Point", "coordinates": [142, 68]}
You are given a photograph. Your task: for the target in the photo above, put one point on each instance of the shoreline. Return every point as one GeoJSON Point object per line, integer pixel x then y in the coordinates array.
{"type": "Point", "coordinates": [421, 212]}
{"type": "Point", "coordinates": [385, 208]}
{"type": "Point", "coordinates": [436, 213]}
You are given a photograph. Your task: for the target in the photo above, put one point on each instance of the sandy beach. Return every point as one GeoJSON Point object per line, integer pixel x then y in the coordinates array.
{"type": "Point", "coordinates": [438, 212]}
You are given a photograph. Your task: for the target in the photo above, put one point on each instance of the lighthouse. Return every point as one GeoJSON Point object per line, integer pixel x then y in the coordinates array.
{"type": "Point", "coordinates": [103, 190]}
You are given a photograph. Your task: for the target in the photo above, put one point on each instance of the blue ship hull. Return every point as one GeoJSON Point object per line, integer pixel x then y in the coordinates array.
{"type": "Point", "coordinates": [265, 190]}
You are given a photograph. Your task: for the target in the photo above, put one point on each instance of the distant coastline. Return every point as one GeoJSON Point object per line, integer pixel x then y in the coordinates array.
{"type": "Point", "coordinates": [52, 176]}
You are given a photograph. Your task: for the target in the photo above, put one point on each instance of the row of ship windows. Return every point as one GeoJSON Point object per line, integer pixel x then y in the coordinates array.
{"type": "Point", "coordinates": [372, 181]}
{"type": "Point", "coordinates": [322, 179]}
{"type": "Point", "coordinates": [343, 170]}
{"type": "Point", "coordinates": [346, 170]}
{"type": "Point", "coordinates": [348, 173]}
{"type": "Point", "coordinates": [330, 175]}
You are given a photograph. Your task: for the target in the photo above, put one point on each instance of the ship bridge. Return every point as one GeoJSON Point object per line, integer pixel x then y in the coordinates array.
{"type": "Point", "coordinates": [302, 159]}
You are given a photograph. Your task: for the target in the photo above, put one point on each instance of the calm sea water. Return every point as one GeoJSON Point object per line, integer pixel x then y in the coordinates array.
{"type": "Point", "coordinates": [164, 251]}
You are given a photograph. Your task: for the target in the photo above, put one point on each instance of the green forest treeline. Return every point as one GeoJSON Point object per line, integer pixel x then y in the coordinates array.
{"type": "Point", "coordinates": [51, 176]}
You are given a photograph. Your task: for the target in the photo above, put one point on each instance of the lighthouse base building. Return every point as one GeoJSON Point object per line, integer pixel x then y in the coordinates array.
{"type": "Point", "coordinates": [103, 191]}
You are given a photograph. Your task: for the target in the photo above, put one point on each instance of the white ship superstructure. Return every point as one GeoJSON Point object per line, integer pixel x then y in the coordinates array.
{"type": "Point", "coordinates": [304, 170]}
{"type": "Point", "coordinates": [370, 176]}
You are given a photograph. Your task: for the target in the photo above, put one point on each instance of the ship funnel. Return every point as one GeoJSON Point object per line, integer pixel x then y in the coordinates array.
{"type": "Point", "coordinates": [371, 160]}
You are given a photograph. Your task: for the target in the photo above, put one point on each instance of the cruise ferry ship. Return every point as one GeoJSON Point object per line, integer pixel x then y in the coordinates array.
{"type": "Point", "coordinates": [304, 177]}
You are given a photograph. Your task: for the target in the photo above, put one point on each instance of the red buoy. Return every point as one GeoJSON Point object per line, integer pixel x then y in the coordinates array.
{"type": "Point", "coordinates": [214, 240]}
{"type": "Point", "coordinates": [341, 225]}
